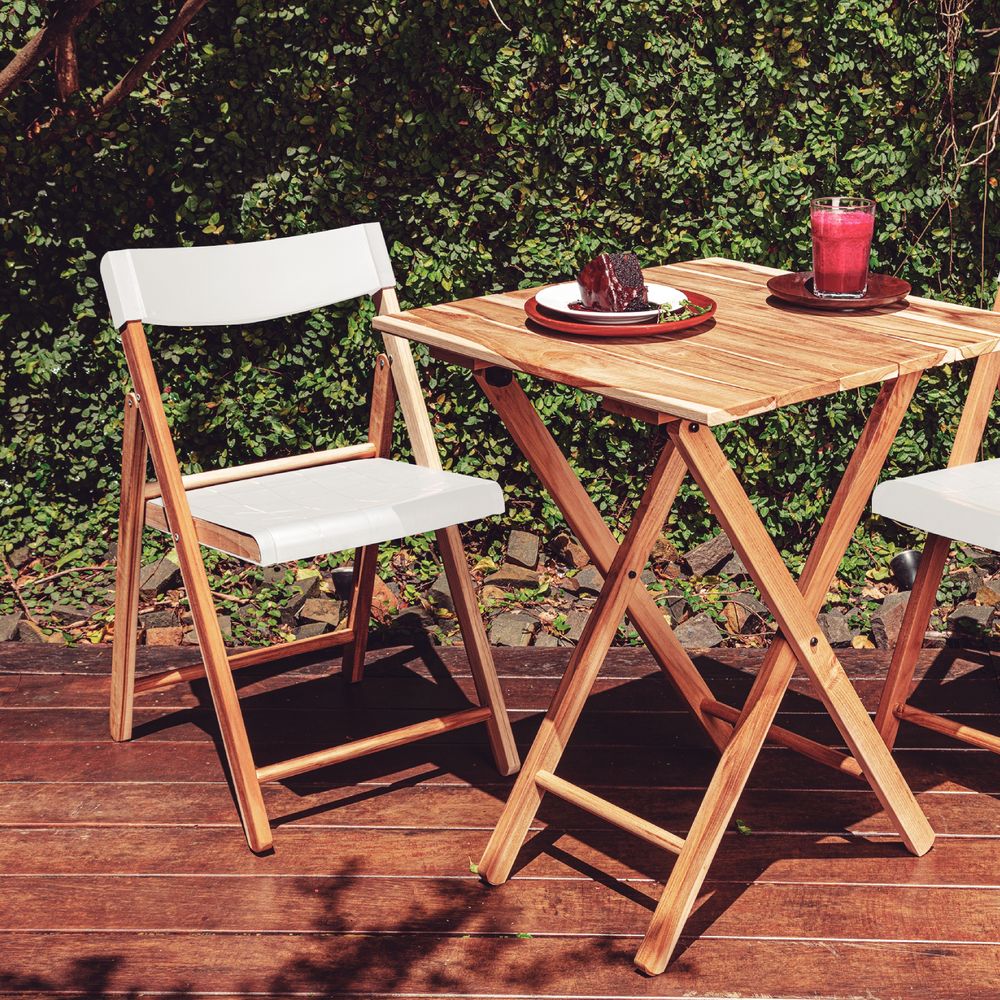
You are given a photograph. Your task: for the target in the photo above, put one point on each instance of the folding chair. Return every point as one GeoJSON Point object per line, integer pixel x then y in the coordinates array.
{"type": "Point", "coordinates": [290, 508]}
{"type": "Point", "coordinates": [961, 502]}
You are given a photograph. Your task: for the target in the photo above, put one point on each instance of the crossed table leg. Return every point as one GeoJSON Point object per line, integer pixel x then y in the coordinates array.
{"type": "Point", "coordinates": [692, 447]}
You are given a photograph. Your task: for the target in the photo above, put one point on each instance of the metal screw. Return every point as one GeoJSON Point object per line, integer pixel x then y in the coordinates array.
{"type": "Point", "coordinates": [631, 574]}
{"type": "Point", "coordinates": [814, 641]}
{"type": "Point", "coordinates": [177, 537]}
{"type": "Point", "coordinates": [693, 427]}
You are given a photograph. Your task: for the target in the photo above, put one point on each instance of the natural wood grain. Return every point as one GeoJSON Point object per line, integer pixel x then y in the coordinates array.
{"type": "Point", "coordinates": [449, 541]}
{"type": "Point", "coordinates": [934, 555]}
{"type": "Point", "coordinates": [755, 355]}
{"type": "Point", "coordinates": [280, 770]}
{"type": "Point", "coordinates": [584, 665]}
{"type": "Point", "coordinates": [371, 892]}
{"type": "Point", "coordinates": [609, 812]}
{"type": "Point", "coordinates": [560, 481]}
{"type": "Point", "coordinates": [800, 641]}
{"type": "Point", "coordinates": [254, 470]}
{"type": "Point", "coordinates": [381, 416]}
{"type": "Point", "coordinates": [321, 964]}
{"type": "Point", "coordinates": [129, 559]}
{"type": "Point", "coordinates": [213, 650]}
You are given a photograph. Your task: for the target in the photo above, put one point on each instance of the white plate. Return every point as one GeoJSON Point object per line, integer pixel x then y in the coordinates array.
{"type": "Point", "coordinates": [558, 297]}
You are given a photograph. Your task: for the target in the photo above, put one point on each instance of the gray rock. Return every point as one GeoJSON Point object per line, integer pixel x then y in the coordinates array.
{"type": "Point", "coordinates": [971, 618]}
{"type": "Point", "coordinates": [589, 581]}
{"type": "Point", "coordinates": [887, 621]}
{"type": "Point", "coordinates": [648, 577]}
{"type": "Point", "coordinates": [523, 549]}
{"type": "Point", "coordinates": [8, 626]}
{"type": "Point", "coordinates": [546, 640]}
{"type": "Point", "coordinates": [321, 609]}
{"type": "Point", "coordinates": [734, 568]}
{"type": "Point", "coordinates": [512, 630]}
{"type": "Point", "coordinates": [440, 593]}
{"type": "Point", "coordinates": [68, 614]}
{"type": "Point", "coordinates": [30, 632]}
{"type": "Point", "coordinates": [412, 622]}
{"type": "Point", "coordinates": [225, 627]}
{"type": "Point", "coordinates": [834, 626]}
{"type": "Point", "coordinates": [576, 621]}
{"type": "Point", "coordinates": [751, 614]}
{"type": "Point", "coordinates": [707, 558]}
{"type": "Point", "coordinates": [160, 575]}
{"type": "Point", "coordinates": [676, 606]}
{"type": "Point", "coordinates": [302, 590]}
{"type": "Point", "coordinates": [275, 575]}
{"type": "Point", "coordinates": [312, 629]}
{"type": "Point", "coordinates": [19, 557]}
{"type": "Point", "coordinates": [158, 619]}
{"type": "Point", "coordinates": [699, 632]}
{"type": "Point", "coordinates": [975, 577]}
{"type": "Point", "coordinates": [509, 577]}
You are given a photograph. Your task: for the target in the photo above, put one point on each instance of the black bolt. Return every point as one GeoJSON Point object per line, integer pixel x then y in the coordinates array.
{"type": "Point", "coordinates": [631, 574]}
{"type": "Point", "coordinates": [814, 641]}
{"type": "Point", "coordinates": [499, 378]}
{"type": "Point", "coordinates": [693, 427]}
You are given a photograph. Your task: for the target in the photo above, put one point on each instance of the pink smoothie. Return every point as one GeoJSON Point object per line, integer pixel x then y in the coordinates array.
{"type": "Point", "coordinates": [842, 242]}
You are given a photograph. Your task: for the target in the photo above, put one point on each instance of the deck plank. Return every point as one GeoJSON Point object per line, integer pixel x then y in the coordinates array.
{"type": "Point", "coordinates": [124, 868]}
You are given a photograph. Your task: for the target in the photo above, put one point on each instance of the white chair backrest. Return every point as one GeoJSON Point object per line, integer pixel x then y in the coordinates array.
{"type": "Point", "coordinates": [246, 282]}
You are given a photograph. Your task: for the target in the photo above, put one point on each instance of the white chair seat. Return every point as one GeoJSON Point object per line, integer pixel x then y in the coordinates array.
{"type": "Point", "coordinates": [310, 512]}
{"type": "Point", "coordinates": [961, 503]}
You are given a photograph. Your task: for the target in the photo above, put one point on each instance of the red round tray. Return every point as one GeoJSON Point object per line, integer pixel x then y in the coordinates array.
{"type": "Point", "coordinates": [552, 322]}
{"type": "Point", "coordinates": [796, 288]}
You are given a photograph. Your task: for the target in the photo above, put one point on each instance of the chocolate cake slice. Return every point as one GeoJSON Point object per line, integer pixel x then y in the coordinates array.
{"type": "Point", "coordinates": [613, 282]}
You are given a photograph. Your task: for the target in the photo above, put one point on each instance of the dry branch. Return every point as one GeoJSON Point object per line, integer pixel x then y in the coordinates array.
{"type": "Point", "coordinates": [62, 25]}
{"type": "Point", "coordinates": [67, 70]}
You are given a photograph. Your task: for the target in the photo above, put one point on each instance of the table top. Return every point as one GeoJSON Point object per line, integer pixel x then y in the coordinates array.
{"type": "Point", "coordinates": [755, 355]}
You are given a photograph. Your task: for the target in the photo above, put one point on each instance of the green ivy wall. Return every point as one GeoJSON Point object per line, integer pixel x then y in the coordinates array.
{"type": "Point", "coordinates": [493, 157]}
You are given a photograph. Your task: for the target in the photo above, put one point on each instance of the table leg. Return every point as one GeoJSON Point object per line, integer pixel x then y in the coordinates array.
{"type": "Point", "coordinates": [584, 665]}
{"type": "Point", "coordinates": [772, 680]}
{"type": "Point", "coordinates": [550, 465]}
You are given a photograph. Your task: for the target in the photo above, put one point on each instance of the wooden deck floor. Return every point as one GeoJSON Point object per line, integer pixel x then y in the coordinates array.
{"type": "Point", "coordinates": [124, 872]}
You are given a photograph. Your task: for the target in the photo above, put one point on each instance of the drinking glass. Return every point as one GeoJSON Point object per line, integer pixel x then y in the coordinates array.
{"type": "Point", "coordinates": [842, 243]}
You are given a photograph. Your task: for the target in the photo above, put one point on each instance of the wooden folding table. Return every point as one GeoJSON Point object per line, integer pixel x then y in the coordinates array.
{"type": "Point", "coordinates": [755, 355]}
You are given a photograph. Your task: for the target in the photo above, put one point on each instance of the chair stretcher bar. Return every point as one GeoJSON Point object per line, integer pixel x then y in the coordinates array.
{"type": "Point", "coordinates": [792, 741]}
{"type": "Point", "coordinates": [939, 724]}
{"type": "Point", "coordinates": [167, 678]}
{"type": "Point", "coordinates": [215, 477]}
{"type": "Point", "coordinates": [372, 744]}
{"type": "Point", "coordinates": [609, 812]}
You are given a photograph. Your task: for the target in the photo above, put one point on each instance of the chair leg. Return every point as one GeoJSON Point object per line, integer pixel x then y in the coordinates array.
{"type": "Point", "coordinates": [477, 648]}
{"type": "Point", "coordinates": [359, 616]}
{"type": "Point", "coordinates": [130, 522]}
{"type": "Point", "coordinates": [982, 388]}
{"type": "Point", "coordinates": [246, 783]}
{"type": "Point", "coordinates": [923, 597]}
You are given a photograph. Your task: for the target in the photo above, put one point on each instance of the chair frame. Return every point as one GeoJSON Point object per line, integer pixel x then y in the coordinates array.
{"type": "Point", "coordinates": [893, 706]}
{"type": "Point", "coordinates": [147, 436]}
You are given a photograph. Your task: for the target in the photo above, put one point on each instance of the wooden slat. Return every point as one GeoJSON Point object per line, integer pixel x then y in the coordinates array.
{"type": "Point", "coordinates": [268, 904]}
{"type": "Point", "coordinates": [755, 355]}
{"type": "Point", "coordinates": [325, 963]}
{"type": "Point", "coordinates": [376, 852]}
